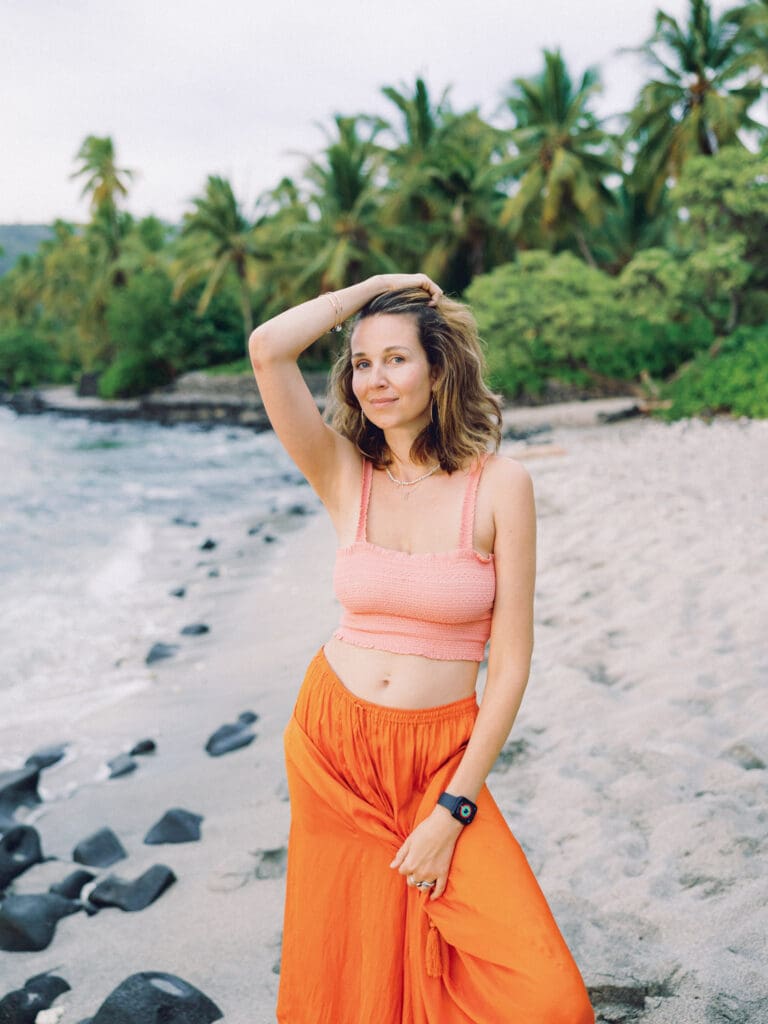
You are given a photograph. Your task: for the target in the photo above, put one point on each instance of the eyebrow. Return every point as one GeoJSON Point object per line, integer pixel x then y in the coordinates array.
{"type": "Point", "coordinates": [389, 348]}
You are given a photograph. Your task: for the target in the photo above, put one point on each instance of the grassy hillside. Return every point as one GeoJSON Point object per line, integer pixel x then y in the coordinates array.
{"type": "Point", "coordinates": [16, 239]}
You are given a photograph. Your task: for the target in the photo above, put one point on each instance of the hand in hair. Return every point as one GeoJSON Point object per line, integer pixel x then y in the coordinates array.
{"type": "Point", "coordinates": [394, 282]}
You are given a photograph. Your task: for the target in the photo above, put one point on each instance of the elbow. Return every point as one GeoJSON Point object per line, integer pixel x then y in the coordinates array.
{"type": "Point", "coordinates": [258, 348]}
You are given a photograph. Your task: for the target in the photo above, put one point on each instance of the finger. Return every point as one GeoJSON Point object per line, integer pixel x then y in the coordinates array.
{"type": "Point", "coordinates": [437, 892]}
{"type": "Point", "coordinates": [398, 858]}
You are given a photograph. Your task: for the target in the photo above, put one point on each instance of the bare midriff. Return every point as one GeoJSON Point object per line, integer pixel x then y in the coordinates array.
{"type": "Point", "coordinates": [400, 680]}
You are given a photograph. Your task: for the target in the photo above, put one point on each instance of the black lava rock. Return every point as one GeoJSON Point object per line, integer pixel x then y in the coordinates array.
{"type": "Point", "coordinates": [19, 788]}
{"type": "Point", "coordinates": [154, 996]}
{"type": "Point", "coordinates": [213, 572]}
{"type": "Point", "coordinates": [230, 737]}
{"type": "Point", "coordinates": [123, 764]}
{"type": "Point", "coordinates": [147, 746]}
{"type": "Point", "coordinates": [28, 923]}
{"type": "Point", "coordinates": [71, 886]}
{"type": "Point", "coordinates": [179, 592]}
{"type": "Point", "coordinates": [19, 850]}
{"type": "Point", "coordinates": [183, 521]}
{"type": "Point", "coordinates": [247, 717]}
{"type": "Point", "coordinates": [135, 895]}
{"type": "Point", "coordinates": [195, 629]}
{"type": "Point", "coordinates": [175, 826]}
{"type": "Point", "coordinates": [23, 1004]}
{"type": "Point", "coordinates": [159, 651]}
{"type": "Point", "coordinates": [269, 538]}
{"type": "Point", "coordinates": [46, 756]}
{"type": "Point", "coordinates": [208, 544]}
{"type": "Point", "coordinates": [99, 850]}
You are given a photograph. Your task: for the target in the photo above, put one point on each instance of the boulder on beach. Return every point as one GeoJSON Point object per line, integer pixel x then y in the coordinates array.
{"type": "Point", "coordinates": [44, 757]}
{"type": "Point", "coordinates": [135, 895]}
{"type": "Point", "coordinates": [183, 521]}
{"type": "Point", "coordinates": [28, 923]}
{"type": "Point", "coordinates": [71, 886]}
{"type": "Point", "coordinates": [123, 764]}
{"type": "Point", "coordinates": [152, 996]}
{"type": "Point", "coordinates": [159, 651]}
{"type": "Point", "coordinates": [195, 629]}
{"type": "Point", "coordinates": [208, 544]}
{"type": "Point", "coordinates": [247, 717]}
{"type": "Point", "coordinates": [230, 736]}
{"type": "Point", "coordinates": [19, 849]}
{"type": "Point", "coordinates": [178, 592]}
{"type": "Point", "coordinates": [24, 1004]}
{"type": "Point", "coordinates": [99, 850]}
{"type": "Point", "coordinates": [175, 826]}
{"type": "Point", "coordinates": [18, 788]}
{"type": "Point", "coordinates": [147, 746]}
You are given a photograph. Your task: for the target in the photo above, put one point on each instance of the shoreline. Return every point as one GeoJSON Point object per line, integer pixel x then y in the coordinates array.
{"type": "Point", "coordinates": [235, 401]}
{"type": "Point", "coordinates": [632, 778]}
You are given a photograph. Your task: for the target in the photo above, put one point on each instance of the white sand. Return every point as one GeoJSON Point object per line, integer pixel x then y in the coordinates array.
{"type": "Point", "coordinates": [624, 779]}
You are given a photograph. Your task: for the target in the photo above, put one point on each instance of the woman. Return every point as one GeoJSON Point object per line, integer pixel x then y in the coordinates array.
{"type": "Point", "coordinates": [408, 900]}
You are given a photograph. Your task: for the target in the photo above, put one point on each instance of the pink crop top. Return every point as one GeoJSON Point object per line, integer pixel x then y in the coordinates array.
{"type": "Point", "coordinates": [438, 605]}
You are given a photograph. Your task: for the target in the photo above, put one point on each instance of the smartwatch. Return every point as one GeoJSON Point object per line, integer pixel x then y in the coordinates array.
{"type": "Point", "coordinates": [461, 807]}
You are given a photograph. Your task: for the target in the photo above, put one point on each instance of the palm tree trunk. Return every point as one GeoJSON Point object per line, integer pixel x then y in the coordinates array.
{"type": "Point", "coordinates": [584, 249]}
{"type": "Point", "coordinates": [245, 307]}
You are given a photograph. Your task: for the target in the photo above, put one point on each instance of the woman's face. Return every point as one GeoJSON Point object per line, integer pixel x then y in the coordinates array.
{"type": "Point", "coordinates": [391, 376]}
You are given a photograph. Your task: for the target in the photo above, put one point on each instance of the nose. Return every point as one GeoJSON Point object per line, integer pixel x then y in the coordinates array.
{"type": "Point", "coordinates": [378, 376]}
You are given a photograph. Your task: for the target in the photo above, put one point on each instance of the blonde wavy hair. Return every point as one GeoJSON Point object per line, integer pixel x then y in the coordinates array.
{"type": "Point", "coordinates": [466, 415]}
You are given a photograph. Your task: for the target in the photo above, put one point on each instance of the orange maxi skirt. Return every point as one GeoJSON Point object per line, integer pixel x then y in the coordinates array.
{"type": "Point", "coordinates": [362, 947]}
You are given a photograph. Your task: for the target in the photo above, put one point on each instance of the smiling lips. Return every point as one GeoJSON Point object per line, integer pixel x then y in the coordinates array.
{"type": "Point", "coordinates": [382, 401]}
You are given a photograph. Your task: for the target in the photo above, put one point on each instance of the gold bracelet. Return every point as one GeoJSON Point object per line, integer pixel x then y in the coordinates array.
{"type": "Point", "coordinates": [338, 310]}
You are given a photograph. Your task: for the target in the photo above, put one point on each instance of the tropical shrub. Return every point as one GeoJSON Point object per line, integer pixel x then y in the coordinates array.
{"type": "Point", "coordinates": [732, 376]}
{"type": "Point", "coordinates": [27, 360]}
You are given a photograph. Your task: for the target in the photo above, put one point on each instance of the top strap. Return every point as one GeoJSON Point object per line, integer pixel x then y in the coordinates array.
{"type": "Point", "coordinates": [470, 500]}
{"type": "Point", "coordinates": [365, 497]}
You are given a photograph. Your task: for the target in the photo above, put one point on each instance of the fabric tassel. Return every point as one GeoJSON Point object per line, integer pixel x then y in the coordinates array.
{"type": "Point", "coordinates": [433, 958]}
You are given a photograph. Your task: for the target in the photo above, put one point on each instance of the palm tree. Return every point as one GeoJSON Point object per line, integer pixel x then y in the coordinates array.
{"type": "Point", "coordinates": [751, 20]}
{"type": "Point", "coordinates": [562, 156]}
{"type": "Point", "coordinates": [698, 103]}
{"type": "Point", "coordinates": [343, 238]}
{"type": "Point", "coordinates": [217, 244]}
{"type": "Point", "coordinates": [466, 198]}
{"type": "Point", "coordinates": [105, 181]}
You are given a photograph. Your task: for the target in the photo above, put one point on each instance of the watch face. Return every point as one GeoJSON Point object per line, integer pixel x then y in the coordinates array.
{"type": "Point", "coordinates": [465, 811]}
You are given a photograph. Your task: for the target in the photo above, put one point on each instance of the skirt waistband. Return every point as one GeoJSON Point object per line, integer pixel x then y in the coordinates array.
{"type": "Point", "coordinates": [466, 706]}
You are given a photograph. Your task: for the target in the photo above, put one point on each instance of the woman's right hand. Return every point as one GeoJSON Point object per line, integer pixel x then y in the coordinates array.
{"type": "Point", "coordinates": [393, 282]}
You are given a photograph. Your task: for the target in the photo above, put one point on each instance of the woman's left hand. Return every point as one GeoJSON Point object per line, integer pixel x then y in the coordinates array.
{"type": "Point", "coordinates": [427, 852]}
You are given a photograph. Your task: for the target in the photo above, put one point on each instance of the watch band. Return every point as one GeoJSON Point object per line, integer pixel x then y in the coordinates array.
{"type": "Point", "coordinates": [461, 807]}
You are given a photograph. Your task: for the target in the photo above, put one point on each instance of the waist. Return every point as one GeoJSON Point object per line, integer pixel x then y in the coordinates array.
{"type": "Point", "coordinates": [400, 680]}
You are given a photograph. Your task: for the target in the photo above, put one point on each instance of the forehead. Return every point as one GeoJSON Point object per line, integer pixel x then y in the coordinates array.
{"type": "Point", "coordinates": [375, 333]}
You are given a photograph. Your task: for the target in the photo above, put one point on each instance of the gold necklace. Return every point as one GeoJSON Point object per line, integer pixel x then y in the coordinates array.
{"type": "Point", "coordinates": [410, 483]}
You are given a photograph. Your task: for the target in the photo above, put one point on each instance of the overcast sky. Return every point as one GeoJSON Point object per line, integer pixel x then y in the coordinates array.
{"type": "Point", "coordinates": [191, 88]}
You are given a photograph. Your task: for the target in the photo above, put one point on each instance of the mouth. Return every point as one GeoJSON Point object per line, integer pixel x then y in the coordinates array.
{"type": "Point", "coordinates": [381, 401]}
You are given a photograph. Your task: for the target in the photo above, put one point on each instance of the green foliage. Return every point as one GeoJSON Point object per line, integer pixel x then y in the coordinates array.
{"type": "Point", "coordinates": [546, 317]}
{"type": "Point", "coordinates": [27, 360]}
{"type": "Point", "coordinates": [731, 377]}
{"type": "Point", "coordinates": [133, 374]}
{"type": "Point", "coordinates": [157, 337]}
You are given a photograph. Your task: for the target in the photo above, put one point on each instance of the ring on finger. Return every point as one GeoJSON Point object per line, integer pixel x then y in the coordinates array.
{"type": "Point", "coordinates": [425, 885]}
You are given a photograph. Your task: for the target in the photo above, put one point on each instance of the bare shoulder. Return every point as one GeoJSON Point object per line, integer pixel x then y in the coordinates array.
{"type": "Point", "coordinates": [510, 484]}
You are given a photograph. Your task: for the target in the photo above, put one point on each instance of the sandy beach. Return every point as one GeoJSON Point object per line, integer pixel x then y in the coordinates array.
{"type": "Point", "coordinates": [634, 778]}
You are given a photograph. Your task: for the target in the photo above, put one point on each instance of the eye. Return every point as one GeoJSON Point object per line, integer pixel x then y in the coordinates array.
{"type": "Point", "coordinates": [398, 359]}
{"type": "Point", "coordinates": [361, 364]}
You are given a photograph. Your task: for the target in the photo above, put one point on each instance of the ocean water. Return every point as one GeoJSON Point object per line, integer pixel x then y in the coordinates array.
{"type": "Point", "coordinates": [89, 547]}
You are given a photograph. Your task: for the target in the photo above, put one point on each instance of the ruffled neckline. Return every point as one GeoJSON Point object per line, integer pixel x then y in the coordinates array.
{"type": "Point", "coordinates": [454, 553]}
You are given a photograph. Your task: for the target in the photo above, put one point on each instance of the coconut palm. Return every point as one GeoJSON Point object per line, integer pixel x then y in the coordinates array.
{"type": "Point", "coordinates": [105, 181]}
{"type": "Point", "coordinates": [218, 245]}
{"type": "Point", "coordinates": [343, 238]}
{"type": "Point", "coordinates": [751, 20]}
{"type": "Point", "coordinates": [562, 156]}
{"type": "Point", "coordinates": [698, 103]}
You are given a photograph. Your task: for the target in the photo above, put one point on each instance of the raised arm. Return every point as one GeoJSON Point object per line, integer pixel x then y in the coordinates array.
{"type": "Point", "coordinates": [275, 347]}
